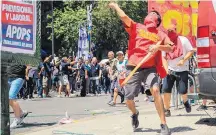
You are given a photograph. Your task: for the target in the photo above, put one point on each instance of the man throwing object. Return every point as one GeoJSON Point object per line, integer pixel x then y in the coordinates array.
{"type": "Point", "coordinates": [142, 40]}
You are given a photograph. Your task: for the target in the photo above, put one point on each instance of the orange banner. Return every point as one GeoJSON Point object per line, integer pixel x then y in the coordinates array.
{"type": "Point", "coordinates": [184, 13]}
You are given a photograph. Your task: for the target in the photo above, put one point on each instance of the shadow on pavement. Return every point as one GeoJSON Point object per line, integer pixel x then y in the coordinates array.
{"type": "Point", "coordinates": [28, 125]}
{"type": "Point", "coordinates": [189, 115]}
{"type": "Point", "coordinates": [176, 129]}
{"type": "Point", "coordinates": [207, 121]}
{"type": "Point", "coordinates": [181, 129]}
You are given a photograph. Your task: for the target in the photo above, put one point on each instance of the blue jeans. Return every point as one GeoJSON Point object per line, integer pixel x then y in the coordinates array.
{"type": "Point", "coordinates": [40, 86]}
{"type": "Point", "coordinates": [106, 84]}
{"type": "Point", "coordinates": [15, 86]}
{"type": "Point", "coordinates": [95, 86]}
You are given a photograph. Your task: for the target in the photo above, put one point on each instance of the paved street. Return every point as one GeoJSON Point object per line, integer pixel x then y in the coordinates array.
{"type": "Point", "coordinates": [48, 111]}
{"type": "Point", "coordinates": [93, 116]}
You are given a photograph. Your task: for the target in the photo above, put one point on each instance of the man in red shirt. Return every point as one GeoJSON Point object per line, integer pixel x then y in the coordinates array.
{"type": "Point", "coordinates": [142, 40]}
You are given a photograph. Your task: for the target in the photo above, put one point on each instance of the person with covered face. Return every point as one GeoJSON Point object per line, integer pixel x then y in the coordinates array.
{"type": "Point", "coordinates": [178, 66]}
{"type": "Point", "coordinates": [142, 40]}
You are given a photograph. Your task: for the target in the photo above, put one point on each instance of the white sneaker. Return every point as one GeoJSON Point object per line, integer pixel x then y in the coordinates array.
{"type": "Point", "coordinates": [15, 123]}
{"type": "Point", "coordinates": [59, 96]}
{"type": "Point", "coordinates": [25, 114]}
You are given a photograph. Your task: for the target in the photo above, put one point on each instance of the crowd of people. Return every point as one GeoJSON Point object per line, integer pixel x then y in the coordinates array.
{"type": "Point", "coordinates": [70, 76]}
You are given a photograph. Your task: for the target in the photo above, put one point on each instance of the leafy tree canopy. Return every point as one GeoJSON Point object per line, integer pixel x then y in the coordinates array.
{"type": "Point", "coordinates": [107, 32]}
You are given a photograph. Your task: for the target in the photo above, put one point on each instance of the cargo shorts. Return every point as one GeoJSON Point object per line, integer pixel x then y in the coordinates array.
{"type": "Point", "coordinates": [63, 80]}
{"type": "Point", "coordinates": [148, 76]}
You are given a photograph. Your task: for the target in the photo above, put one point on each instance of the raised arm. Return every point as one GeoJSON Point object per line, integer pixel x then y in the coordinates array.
{"type": "Point", "coordinates": [125, 19]}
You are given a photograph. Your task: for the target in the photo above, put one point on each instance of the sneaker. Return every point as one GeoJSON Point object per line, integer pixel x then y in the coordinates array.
{"type": "Point", "coordinates": [110, 101]}
{"type": "Point", "coordinates": [48, 96]}
{"type": "Point", "coordinates": [165, 130]}
{"type": "Point", "coordinates": [15, 123]}
{"type": "Point", "coordinates": [187, 107]}
{"type": "Point", "coordinates": [201, 108]}
{"type": "Point", "coordinates": [135, 121]}
{"type": "Point", "coordinates": [59, 96]}
{"type": "Point", "coordinates": [112, 104]}
{"type": "Point", "coordinates": [25, 114]}
{"type": "Point", "coordinates": [167, 113]}
{"type": "Point", "coordinates": [44, 95]}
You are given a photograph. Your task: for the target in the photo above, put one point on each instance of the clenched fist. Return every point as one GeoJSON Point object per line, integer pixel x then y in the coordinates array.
{"type": "Point", "coordinates": [113, 5]}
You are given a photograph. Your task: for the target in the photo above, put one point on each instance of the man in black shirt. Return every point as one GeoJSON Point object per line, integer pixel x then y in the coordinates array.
{"type": "Point", "coordinates": [81, 75]}
{"type": "Point", "coordinates": [47, 82]}
{"type": "Point", "coordinates": [72, 75]}
{"type": "Point", "coordinates": [16, 74]}
{"type": "Point", "coordinates": [95, 75]}
{"type": "Point", "coordinates": [65, 66]}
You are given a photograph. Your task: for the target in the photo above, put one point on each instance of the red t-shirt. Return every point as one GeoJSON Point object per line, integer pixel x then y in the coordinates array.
{"type": "Point", "coordinates": [139, 41]}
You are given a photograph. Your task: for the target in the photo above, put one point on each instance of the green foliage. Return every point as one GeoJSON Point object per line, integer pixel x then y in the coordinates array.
{"type": "Point", "coordinates": [107, 32]}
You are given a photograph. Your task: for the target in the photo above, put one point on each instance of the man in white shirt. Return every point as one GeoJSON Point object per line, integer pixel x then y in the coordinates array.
{"type": "Point", "coordinates": [121, 68]}
{"type": "Point", "coordinates": [178, 67]}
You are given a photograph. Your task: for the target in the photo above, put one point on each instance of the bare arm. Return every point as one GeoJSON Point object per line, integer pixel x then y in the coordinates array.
{"type": "Point", "coordinates": [188, 55]}
{"type": "Point", "coordinates": [165, 64]}
{"type": "Point", "coordinates": [86, 73]}
{"type": "Point", "coordinates": [165, 48]}
{"type": "Point", "coordinates": [121, 13]}
{"type": "Point", "coordinates": [164, 45]}
{"type": "Point", "coordinates": [100, 73]}
{"type": "Point", "coordinates": [42, 69]}
{"type": "Point", "coordinates": [26, 73]}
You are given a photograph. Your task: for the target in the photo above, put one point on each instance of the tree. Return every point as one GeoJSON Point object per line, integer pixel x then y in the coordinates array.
{"type": "Point", "coordinates": [108, 30]}
{"type": "Point", "coordinates": [107, 33]}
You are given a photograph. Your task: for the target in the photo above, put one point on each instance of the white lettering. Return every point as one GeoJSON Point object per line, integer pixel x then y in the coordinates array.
{"type": "Point", "coordinates": [18, 17]}
{"type": "Point", "coordinates": [17, 9]}
{"type": "Point", "coordinates": [7, 15]}
{"type": "Point", "coordinates": [14, 31]}
{"type": "Point", "coordinates": [4, 7]}
{"type": "Point", "coordinates": [23, 33]}
{"type": "Point", "coordinates": [23, 45]}
{"type": "Point", "coordinates": [28, 34]}
{"type": "Point", "coordinates": [8, 32]}
{"type": "Point", "coordinates": [6, 42]}
{"type": "Point", "coordinates": [29, 45]}
{"type": "Point", "coordinates": [19, 33]}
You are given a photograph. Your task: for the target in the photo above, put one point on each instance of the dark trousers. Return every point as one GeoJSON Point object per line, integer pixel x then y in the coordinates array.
{"type": "Point", "coordinates": [30, 88]}
{"type": "Point", "coordinates": [83, 86]}
{"type": "Point", "coordinates": [72, 81]}
{"type": "Point", "coordinates": [106, 84]}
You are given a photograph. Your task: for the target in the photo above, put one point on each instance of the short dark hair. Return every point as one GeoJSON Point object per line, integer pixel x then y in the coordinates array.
{"type": "Point", "coordinates": [159, 17]}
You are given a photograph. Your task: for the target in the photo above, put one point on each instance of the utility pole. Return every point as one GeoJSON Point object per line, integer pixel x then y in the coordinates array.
{"type": "Point", "coordinates": [5, 117]}
{"type": "Point", "coordinates": [89, 24]}
{"type": "Point", "coordinates": [52, 31]}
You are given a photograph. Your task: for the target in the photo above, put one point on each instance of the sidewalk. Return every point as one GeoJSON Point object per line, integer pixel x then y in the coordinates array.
{"type": "Point", "coordinates": [180, 123]}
